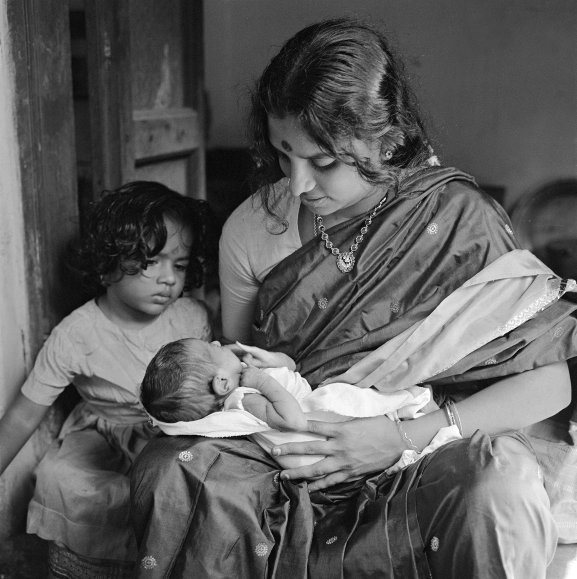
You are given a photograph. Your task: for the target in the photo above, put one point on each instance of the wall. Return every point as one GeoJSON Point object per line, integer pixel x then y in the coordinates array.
{"type": "Point", "coordinates": [496, 79]}
{"type": "Point", "coordinates": [14, 341]}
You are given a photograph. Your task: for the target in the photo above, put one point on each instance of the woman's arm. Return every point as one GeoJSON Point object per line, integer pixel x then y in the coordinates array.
{"type": "Point", "coordinates": [512, 403]}
{"type": "Point", "coordinates": [17, 425]}
{"type": "Point", "coordinates": [238, 285]}
{"type": "Point", "coordinates": [277, 407]}
{"type": "Point", "coordinates": [367, 445]}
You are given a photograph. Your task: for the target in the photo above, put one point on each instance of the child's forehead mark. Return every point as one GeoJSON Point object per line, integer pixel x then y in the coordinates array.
{"type": "Point", "coordinates": [286, 146]}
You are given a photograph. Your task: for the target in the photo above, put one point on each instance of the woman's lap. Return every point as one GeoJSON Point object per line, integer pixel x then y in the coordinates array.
{"type": "Point", "coordinates": [211, 507]}
{"type": "Point", "coordinates": [483, 510]}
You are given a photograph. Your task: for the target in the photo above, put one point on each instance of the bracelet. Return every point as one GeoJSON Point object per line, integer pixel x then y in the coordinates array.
{"type": "Point", "coordinates": [449, 414]}
{"type": "Point", "coordinates": [453, 415]}
{"type": "Point", "coordinates": [405, 437]}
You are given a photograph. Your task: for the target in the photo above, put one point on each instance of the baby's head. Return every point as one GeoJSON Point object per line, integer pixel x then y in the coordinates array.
{"type": "Point", "coordinates": [189, 379]}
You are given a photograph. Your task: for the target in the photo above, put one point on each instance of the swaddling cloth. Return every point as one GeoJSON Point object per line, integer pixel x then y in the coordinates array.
{"type": "Point", "coordinates": [332, 403]}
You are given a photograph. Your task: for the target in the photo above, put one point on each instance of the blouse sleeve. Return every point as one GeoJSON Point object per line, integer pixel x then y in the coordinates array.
{"type": "Point", "coordinates": [53, 370]}
{"type": "Point", "coordinates": [238, 284]}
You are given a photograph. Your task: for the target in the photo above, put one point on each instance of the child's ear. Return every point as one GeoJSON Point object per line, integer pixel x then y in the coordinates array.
{"type": "Point", "coordinates": [220, 385]}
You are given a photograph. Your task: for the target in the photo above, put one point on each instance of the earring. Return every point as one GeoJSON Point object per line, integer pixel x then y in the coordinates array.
{"type": "Point", "coordinates": [388, 155]}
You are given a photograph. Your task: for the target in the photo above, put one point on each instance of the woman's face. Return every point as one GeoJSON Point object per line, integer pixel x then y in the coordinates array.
{"type": "Point", "coordinates": [325, 185]}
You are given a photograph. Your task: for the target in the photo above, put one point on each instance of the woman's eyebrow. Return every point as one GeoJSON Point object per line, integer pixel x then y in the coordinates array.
{"type": "Point", "coordinates": [319, 155]}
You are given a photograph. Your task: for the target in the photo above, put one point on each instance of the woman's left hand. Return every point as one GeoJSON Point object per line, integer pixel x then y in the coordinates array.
{"type": "Point", "coordinates": [354, 448]}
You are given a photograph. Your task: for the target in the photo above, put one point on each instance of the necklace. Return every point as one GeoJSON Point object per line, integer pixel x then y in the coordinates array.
{"type": "Point", "coordinates": [345, 260]}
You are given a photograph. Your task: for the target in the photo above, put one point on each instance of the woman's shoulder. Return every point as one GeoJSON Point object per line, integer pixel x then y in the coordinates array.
{"type": "Point", "coordinates": [252, 212]}
{"type": "Point", "coordinates": [471, 198]}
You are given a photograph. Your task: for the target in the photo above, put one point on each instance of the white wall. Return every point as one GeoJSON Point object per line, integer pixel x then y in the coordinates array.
{"type": "Point", "coordinates": [497, 79]}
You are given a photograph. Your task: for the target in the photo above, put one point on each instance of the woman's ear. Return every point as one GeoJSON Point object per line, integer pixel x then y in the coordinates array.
{"type": "Point", "coordinates": [220, 385]}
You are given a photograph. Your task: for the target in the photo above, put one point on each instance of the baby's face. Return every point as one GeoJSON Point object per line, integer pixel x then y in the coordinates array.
{"type": "Point", "coordinates": [227, 362]}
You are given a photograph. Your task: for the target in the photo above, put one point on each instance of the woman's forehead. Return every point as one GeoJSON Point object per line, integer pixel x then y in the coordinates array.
{"type": "Point", "coordinates": [287, 134]}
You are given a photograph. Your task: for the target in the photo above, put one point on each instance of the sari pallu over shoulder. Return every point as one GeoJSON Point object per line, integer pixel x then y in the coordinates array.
{"type": "Point", "coordinates": [437, 232]}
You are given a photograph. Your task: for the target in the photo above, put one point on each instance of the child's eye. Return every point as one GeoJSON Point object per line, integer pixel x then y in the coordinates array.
{"type": "Point", "coordinates": [149, 263]}
{"type": "Point", "coordinates": [181, 266]}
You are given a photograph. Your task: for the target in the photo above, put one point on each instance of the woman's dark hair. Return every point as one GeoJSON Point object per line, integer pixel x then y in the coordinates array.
{"type": "Point", "coordinates": [177, 382]}
{"type": "Point", "coordinates": [341, 80]}
{"type": "Point", "coordinates": [126, 227]}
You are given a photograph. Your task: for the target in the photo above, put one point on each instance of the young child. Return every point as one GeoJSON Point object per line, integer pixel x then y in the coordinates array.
{"type": "Point", "coordinates": [144, 244]}
{"type": "Point", "coordinates": [189, 382]}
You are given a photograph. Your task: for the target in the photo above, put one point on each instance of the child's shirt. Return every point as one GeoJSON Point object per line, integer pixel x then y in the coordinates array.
{"type": "Point", "coordinates": [105, 362]}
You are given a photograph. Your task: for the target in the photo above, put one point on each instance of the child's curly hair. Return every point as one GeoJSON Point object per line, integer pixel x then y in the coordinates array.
{"type": "Point", "coordinates": [127, 226]}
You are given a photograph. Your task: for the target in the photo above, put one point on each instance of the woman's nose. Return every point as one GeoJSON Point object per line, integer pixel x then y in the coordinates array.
{"type": "Point", "coordinates": [301, 181]}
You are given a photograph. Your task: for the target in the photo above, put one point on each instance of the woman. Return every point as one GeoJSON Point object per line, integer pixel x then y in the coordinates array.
{"type": "Point", "coordinates": [356, 236]}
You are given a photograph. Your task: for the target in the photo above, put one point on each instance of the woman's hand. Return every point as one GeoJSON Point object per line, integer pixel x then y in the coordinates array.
{"type": "Point", "coordinates": [260, 358]}
{"type": "Point", "coordinates": [354, 448]}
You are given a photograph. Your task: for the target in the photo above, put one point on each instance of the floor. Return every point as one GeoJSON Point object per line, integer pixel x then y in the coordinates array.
{"type": "Point", "coordinates": [24, 557]}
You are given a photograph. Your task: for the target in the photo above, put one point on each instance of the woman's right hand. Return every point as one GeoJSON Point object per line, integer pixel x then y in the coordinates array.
{"type": "Point", "coordinates": [353, 449]}
{"type": "Point", "coordinates": [253, 356]}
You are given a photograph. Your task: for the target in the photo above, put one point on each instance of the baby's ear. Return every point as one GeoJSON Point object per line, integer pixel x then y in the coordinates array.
{"type": "Point", "coordinates": [220, 385]}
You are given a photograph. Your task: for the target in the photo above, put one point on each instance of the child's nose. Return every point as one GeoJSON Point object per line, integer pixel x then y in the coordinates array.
{"type": "Point", "coordinates": [168, 275]}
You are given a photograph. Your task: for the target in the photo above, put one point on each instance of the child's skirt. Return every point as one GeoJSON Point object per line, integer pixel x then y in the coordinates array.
{"type": "Point", "coordinates": [82, 494]}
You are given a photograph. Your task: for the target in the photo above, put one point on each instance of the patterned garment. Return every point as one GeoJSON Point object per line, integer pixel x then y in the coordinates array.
{"type": "Point", "coordinates": [216, 509]}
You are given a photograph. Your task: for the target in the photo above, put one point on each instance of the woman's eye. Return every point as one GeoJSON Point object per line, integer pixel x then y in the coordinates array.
{"type": "Point", "coordinates": [325, 164]}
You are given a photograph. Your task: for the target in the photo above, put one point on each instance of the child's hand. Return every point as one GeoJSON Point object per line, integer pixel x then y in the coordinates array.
{"type": "Point", "coordinates": [260, 358]}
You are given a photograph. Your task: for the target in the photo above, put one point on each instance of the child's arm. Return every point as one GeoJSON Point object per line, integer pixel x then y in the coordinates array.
{"type": "Point", "coordinates": [277, 407]}
{"type": "Point", "coordinates": [17, 425]}
{"type": "Point", "coordinates": [260, 358]}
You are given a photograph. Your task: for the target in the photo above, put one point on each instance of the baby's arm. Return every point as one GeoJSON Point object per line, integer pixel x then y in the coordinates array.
{"type": "Point", "coordinates": [275, 406]}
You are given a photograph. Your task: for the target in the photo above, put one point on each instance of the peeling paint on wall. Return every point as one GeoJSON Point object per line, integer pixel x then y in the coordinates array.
{"type": "Point", "coordinates": [163, 94]}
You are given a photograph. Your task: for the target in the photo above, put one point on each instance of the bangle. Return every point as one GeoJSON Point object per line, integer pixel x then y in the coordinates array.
{"type": "Point", "coordinates": [449, 414]}
{"type": "Point", "coordinates": [405, 437]}
{"type": "Point", "coordinates": [453, 416]}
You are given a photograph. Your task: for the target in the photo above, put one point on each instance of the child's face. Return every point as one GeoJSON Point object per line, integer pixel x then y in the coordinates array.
{"type": "Point", "coordinates": [145, 295]}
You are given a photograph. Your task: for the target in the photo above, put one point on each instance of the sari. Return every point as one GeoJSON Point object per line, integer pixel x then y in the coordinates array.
{"type": "Point", "coordinates": [217, 508]}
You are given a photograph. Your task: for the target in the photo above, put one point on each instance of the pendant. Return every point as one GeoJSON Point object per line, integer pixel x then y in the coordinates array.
{"type": "Point", "coordinates": [346, 261]}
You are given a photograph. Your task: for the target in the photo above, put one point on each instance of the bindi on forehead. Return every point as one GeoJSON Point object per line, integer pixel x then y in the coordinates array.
{"type": "Point", "coordinates": [286, 146]}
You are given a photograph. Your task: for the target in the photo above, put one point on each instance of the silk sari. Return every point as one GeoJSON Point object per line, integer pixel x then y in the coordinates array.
{"type": "Point", "coordinates": [216, 508]}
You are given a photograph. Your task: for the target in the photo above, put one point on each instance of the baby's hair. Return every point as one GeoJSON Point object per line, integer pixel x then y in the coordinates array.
{"type": "Point", "coordinates": [177, 382]}
{"type": "Point", "coordinates": [126, 227]}
{"type": "Point", "coordinates": [341, 80]}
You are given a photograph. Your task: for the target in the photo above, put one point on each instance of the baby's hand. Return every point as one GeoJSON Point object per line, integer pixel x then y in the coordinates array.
{"type": "Point", "coordinates": [260, 358]}
{"type": "Point", "coordinates": [252, 377]}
